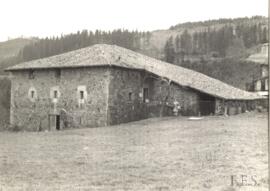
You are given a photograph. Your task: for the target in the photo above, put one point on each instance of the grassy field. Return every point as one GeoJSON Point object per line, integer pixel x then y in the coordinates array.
{"type": "Point", "coordinates": [154, 154]}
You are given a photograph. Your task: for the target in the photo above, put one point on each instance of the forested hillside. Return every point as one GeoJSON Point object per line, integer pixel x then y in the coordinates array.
{"type": "Point", "coordinates": [218, 45]}
{"type": "Point", "coordinates": [218, 48]}
{"type": "Point", "coordinates": [218, 38]}
{"type": "Point", "coordinates": [56, 45]}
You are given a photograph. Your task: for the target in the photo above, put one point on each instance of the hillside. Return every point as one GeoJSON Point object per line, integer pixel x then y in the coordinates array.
{"type": "Point", "coordinates": [159, 38]}
{"type": "Point", "coordinates": [10, 50]}
{"type": "Point", "coordinates": [194, 45]}
{"type": "Point", "coordinates": [234, 72]}
{"type": "Point", "coordinates": [217, 23]}
{"type": "Point", "coordinates": [12, 47]}
{"type": "Point", "coordinates": [217, 48]}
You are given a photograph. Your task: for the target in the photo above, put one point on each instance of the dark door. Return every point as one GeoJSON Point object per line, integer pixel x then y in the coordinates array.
{"type": "Point", "coordinates": [207, 104]}
{"type": "Point", "coordinates": [57, 122]}
{"type": "Point", "coordinates": [207, 107]}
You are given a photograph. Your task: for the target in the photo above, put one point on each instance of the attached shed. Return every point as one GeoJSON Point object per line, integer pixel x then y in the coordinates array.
{"type": "Point", "coordinates": [105, 85]}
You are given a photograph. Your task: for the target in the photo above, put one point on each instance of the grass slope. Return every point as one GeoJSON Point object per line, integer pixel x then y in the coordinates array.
{"type": "Point", "coordinates": [154, 154]}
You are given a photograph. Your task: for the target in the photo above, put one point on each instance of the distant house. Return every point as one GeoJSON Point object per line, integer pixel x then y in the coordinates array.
{"type": "Point", "coordinates": [261, 56]}
{"type": "Point", "coordinates": [260, 84]}
{"type": "Point", "coordinates": [105, 85]}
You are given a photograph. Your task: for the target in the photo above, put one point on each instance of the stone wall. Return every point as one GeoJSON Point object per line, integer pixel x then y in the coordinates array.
{"type": "Point", "coordinates": [187, 98]}
{"type": "Point", "coordinates": [32, 113]}
{"type": "Point", "coordinates": [233, 107]}
{"type": "Point", "coordinates": [100, 96]}
{"type": "Point", "coordinates": [125, 101]}
{"type": "Point", "coordinates": [4, 101]}
{"type": "Point", "coordinates": [125, 83]}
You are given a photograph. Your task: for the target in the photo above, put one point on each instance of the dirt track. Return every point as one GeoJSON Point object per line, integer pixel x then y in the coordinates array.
{"type": "Point", "coordinates": [154, 154]}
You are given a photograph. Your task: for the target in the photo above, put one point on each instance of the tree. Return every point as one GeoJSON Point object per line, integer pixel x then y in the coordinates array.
{"type": "Point", "coordinates": [185, 41]}
{"type": "Point", "coordinates": [236, 49]}
{"type": "Point", "coordinates": [195, 43]}
{"type": "Point", "coordinates": [169, 51]}
{"type": "Point", "coordinates": [177, 43]}
{"type": "Point", "coordinates": [264, 35]}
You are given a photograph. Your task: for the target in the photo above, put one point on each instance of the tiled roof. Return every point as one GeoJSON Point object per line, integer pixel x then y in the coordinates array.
{"type": "Point", "coordinates": [111, 55]}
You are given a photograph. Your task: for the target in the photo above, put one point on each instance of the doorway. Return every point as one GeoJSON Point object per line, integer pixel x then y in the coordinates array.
{"type": "Point", "coordinates": [57, 122]}
{"type": "Point", "coordinates": [54, 122]}
{"type": "Point", "coordinates": [206, 104]}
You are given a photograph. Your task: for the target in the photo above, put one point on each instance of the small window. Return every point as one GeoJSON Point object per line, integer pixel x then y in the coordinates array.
{"type": "Point", "coordinates": [58, 73]}
{"type": "Point", "coordinates": [55, 94]}
{"type": "Point", "coordinates": [31, 74]}
{"type": "Point", "coordinates": [130, 96]}
{"type": "Point", "coordinates": [32, 94]}
{"type": "Point", "coordinates": [81, 94]}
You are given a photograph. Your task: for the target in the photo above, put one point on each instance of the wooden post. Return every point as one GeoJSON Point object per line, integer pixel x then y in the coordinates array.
{"type": "Point", "coordinates": [166, 98]}
{"type": "Point", "coordinates": [225, 108]}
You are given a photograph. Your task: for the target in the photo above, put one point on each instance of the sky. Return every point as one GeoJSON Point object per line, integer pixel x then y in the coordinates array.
{"type": "Point", "coordinates": [41, 18]}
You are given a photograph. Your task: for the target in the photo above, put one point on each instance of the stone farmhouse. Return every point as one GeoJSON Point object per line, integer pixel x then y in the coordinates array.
{"type": "Point", "coordinates": [105, 85]}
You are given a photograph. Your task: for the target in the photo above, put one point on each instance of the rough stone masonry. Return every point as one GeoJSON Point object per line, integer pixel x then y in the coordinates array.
{"type": "Point", "coordinates": [96, 96]}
